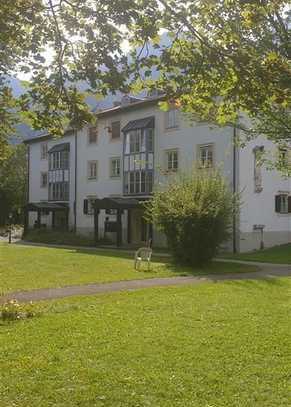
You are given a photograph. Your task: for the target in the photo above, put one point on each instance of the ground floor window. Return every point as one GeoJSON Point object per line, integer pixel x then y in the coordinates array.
{"type": "Point", "coordinates": [282, 203]}
{"type": "Point", "coordinates": [89, 205]}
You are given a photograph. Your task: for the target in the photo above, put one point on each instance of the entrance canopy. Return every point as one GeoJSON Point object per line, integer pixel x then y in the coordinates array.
{"type": "Point", "coordinates": [146, 123]}
{"type": "Point", "coordinates": [57, 209]}
{"type": "Point", "coordinates": [46, 206]}
{"type": "Point", "coordinates": [118, 203]}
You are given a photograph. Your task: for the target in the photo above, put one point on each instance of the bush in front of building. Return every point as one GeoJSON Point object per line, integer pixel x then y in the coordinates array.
{"type": "Point", "coordinates": [58, 237]}
{"type": "Point", "coordinates": [195, 212]}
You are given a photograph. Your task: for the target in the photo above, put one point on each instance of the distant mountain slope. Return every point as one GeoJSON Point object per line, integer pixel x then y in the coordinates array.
{"type": "Point", "coordinates": [24, 131]}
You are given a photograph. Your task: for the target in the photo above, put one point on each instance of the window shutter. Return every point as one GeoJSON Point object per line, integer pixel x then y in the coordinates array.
{"type": "Point", "coordinates": [277, 203]}
{"type": "Point", "coordinates": [85, 207]}
{"type": "Point", "coordinates": [289, 204]}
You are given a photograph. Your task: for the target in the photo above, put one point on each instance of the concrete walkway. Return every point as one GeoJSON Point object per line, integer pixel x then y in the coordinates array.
{"type": "Point", "coordinates": [266, 271]}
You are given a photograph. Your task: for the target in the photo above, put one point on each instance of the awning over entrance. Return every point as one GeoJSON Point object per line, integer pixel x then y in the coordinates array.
{"type": "Point", "coordinates": [146, 123]}
{"type": "Point", "coordinates": [60, 213]}
{"type": "Point", "coordinates": [46, 206]}
{"type": "Point", "coordinates": [118, 203]}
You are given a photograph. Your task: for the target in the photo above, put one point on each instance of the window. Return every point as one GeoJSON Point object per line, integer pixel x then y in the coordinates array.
{"type": "Point", "coordinates": [115, 167]}
{"type": "Point", "coordinates": [205, 155]}
{"type": "Point", "coordinates": [136, 141]}
{"type": "Point", "coordinates": [282, 203]}
{"type": "Point", "coordinates": [172, 118]}
{"type": "Point", "coordinates": [59, 160]}
{"type": "Point", "coordinates": [115, 130]}
{"type": "Point", "coordinates": [89, 205]}
{"type": "Point", "coordinates": [172, 160]}
{"type": "Point", "coordinates": [92, 135]}
{"type": "Point", "coordinates": [258, 179]}
{"type": "Point", "coordinates": [138, 161]}
{"type": "Point", "coordinates": [150, 140]}
{"type": "Point", "coordinates": [92, 170]}
{"type": "Point", "coordinates": [59, 191]}
{"type": "Point", "coordinates": [138, 182]}
{"type": "Point", "coordinates": [43, 151]}
{"type": "Point", "coordinates": [284, 156]}
{"type": "Point", "coordinates": [43, 179]}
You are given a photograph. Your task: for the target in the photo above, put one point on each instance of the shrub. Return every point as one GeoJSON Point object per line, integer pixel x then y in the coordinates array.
{"type": "Point", "coordinates": [58, 237]}
{"type": "Point", "coordinates": [195, 212]}
{"type": "Point", "coordinates": [12, 310]}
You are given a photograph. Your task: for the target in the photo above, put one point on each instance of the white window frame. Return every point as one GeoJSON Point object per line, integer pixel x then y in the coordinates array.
{"type": "Point", "coordinates": [111, 172]}
{"type": "Point", "coordinates": [44, 151]}
{"type": "Point", "coordinates": [202, 147]}
{"type": "Point", "coordinates": [172, 118]}
{"type": "Point", "coordinates": [170, 160]}
{"type": "Point", "coordinates": [42, 184]}
{"type": "Point", "coordinates": [91, 177]}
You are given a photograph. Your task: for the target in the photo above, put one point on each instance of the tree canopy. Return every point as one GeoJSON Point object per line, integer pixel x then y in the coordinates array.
{"type": "Point", "coordinates": [226, 59]}
{"type": "Point", "coordinates": [13, 188]}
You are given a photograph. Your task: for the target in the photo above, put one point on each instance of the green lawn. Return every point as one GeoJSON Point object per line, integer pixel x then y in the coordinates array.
{"type": "Point", "coordinates": [278, 254]}
{"type": "Point", "coordinates": [211, 345]}
{"type": "Point", "coordinates": [24, 267]}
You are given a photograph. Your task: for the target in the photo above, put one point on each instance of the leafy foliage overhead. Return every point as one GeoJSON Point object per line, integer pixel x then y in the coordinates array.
{"type": "Point", "coordinates": [225, 58]}
{"type": "Point", "coordinates": [58, 43]}
{"type": "Point", "coordinates": [228, 60]}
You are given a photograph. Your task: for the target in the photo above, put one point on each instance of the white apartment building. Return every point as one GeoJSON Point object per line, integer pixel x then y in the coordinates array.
{"type": "Point", "coordinates": [133, 148]}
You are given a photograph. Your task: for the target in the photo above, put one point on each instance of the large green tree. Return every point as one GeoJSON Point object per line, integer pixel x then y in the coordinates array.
{"type": "Point", "coordinates": [226, 59]}
{"type": "Point", "coordinates": [13, 187]}
{"type": "Point", "coordinates": [59, 43]}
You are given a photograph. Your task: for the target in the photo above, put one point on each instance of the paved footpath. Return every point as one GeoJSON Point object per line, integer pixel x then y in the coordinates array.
{"type": "Point", "coordinates": [265, 271]}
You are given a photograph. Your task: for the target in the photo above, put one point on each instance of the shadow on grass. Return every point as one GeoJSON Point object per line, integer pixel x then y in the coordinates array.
{"type": "Point", "coordinates": [260, 284]}
{"type": "Point", "coordinates": [122, 253]}
{"type": "Point", "coordinates": [159, 263]}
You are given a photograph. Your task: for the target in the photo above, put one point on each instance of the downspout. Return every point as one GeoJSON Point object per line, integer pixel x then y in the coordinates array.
{"type": "Point", "coordinates": [234, 189]}
{"type": "Point", "coordinates": [76, 168]}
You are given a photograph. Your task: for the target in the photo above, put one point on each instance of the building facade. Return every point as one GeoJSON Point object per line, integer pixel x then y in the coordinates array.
{"type": "Point", "coordinates": [132, 150]}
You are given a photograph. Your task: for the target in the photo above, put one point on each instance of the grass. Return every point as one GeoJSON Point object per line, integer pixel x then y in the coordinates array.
{"type": "Point", "coordinates": [278, 254]}
{"type": "Point", "coordinates": [212, 345]}
{"type": "Point", "coordinates": [24, 267]}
